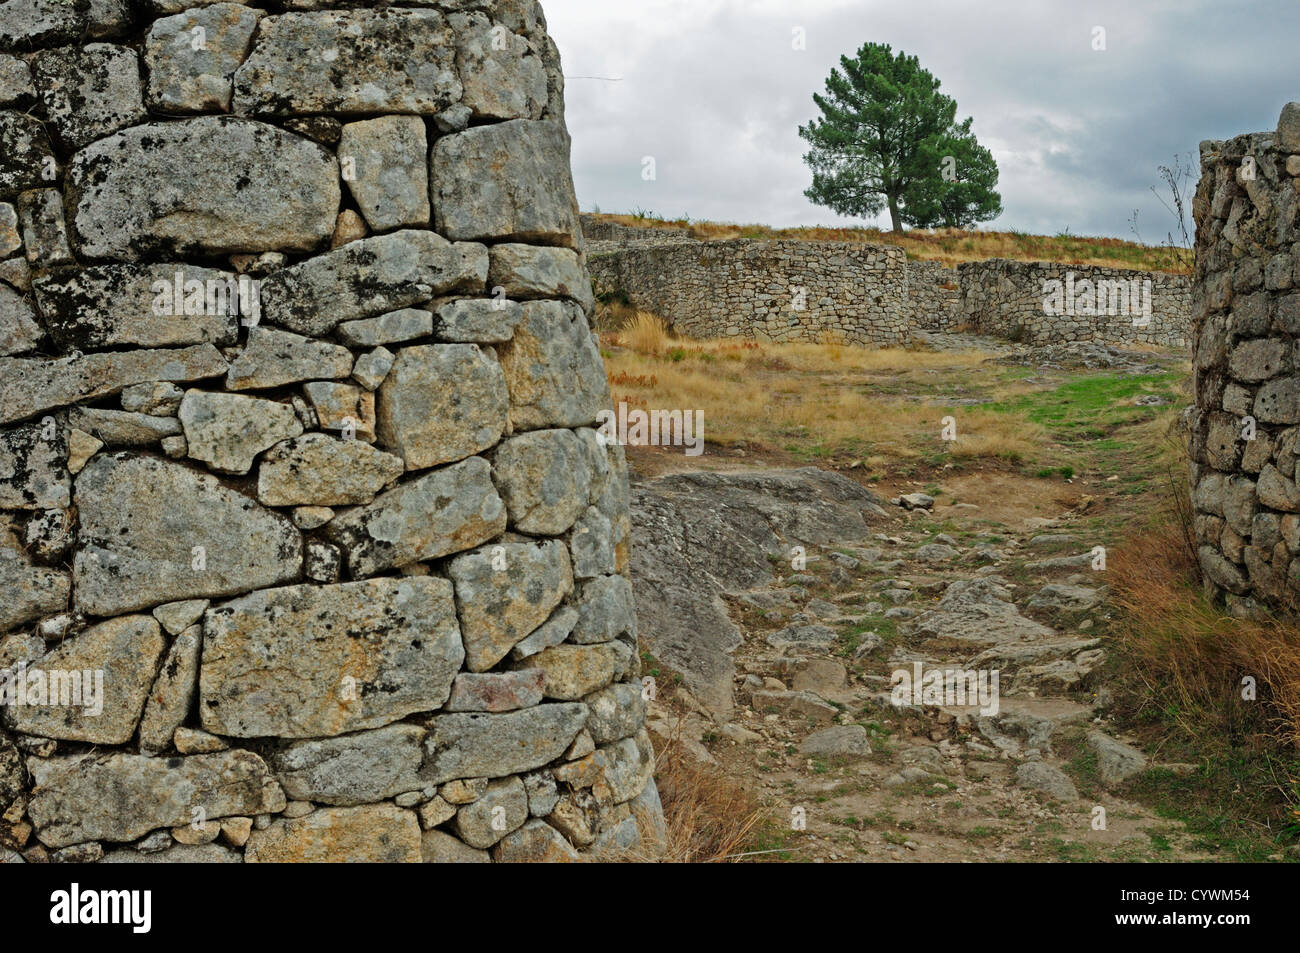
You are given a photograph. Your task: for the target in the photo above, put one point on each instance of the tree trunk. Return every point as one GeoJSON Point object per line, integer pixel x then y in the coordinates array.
{"type": "Point", "coordinates": [895, 222]}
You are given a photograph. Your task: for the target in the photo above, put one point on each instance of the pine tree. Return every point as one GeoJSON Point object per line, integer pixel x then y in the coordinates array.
{"type": "Point", "coordinates": [888, 138]}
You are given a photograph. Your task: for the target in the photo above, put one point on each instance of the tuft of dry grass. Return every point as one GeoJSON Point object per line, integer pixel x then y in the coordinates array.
{"type": "Point", "coordinates": [709, 817]}
{"type": "Point", "coordinates": [1191, 655]}
{"type": "Point", "coordinates": [810, 398]}
{"type": "Point", "coordinates": [950, 246]}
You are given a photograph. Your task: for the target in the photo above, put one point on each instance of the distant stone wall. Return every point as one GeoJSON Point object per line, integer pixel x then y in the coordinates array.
{"type": "Point", "coordinates": [299, 479]}
{"type": "Point", "coordinates": [1008, 299]}
{"type": "Point", "coordinates": [1245, 427]}
{"type": "Point", "coordinates": [933, 295]}
{"type": "Point", "coordinates": [766, 290]}
{"type": "Point", "coordinates": [872, 295]}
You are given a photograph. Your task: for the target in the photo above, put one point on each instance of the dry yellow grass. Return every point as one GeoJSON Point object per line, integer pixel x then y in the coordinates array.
{"type": "Point", "coordinates": [950, 246]}
{"type": "Point", "coordinates": [808, 397]}
{"type": "Point", "coordinates": [1191, 655]}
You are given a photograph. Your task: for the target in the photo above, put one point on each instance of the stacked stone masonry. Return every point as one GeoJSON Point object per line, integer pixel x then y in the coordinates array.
{"type": "Point", "coordinates": [872, 295]}
{"type": "Point", "coordinates": [1245, 426]}
{"type": "Point", "coordinates": [297, 449]}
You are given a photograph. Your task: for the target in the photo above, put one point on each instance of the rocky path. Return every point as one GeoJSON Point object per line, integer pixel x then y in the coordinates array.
{"type": "Point", "coordinates": [787, 669]}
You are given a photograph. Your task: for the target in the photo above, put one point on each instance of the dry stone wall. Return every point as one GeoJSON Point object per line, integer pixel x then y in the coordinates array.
{"type": "Point", "coordinates": [1051, 303]}
{"type": "Point", "coordinates": [766, 290]}
{"type": "Point", "coordinates": [309, 547]}
{"type": "Point", "coordinates": [873, 295]}
{"type": "Point", "coordinates": [1245, 426]}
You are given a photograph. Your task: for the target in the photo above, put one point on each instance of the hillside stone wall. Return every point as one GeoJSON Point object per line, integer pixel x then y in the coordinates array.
{"type": "Point", "coordinates": [765, 290]}
{"type": "Point", "coordinates": [309, 548]}
{"type": "Point", "coordinates": [1051, 303]}
{"type": "Point", "coordinates": [933, 295]}
{"type": "Point", "coordinates": [1245, 426]}
{"type": "Point", "coordinates": [872, 295]}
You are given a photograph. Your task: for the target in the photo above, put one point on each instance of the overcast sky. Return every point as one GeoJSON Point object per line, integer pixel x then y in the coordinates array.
{"type": "Point", "coordinates": [715, 92]}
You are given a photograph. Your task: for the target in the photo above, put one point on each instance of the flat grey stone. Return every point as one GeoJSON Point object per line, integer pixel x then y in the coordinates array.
{"type": "Point", "coordinates": [318, 470]}
{"type": "Point", "coordinates": [207, 186]}
{"type": "Point", "coordinates": [503, 77]}
{"type": "Point", "coordinates": [385, 164]}
{"type": "Point", "coordinates": [123, 428]}
{"type": "Point", "coordinates": [1039, 776]}
{"type": "Point", "coordinates": [273, 358]}
{"type": "Point", "coordinates": [146, 522]}
{"type": "Point", "coordinates": [533, 271]}
{"type": "Point", "coordinates": [1116, 761]}
{"type": "Point", "coordinates": [183, 79]}
{"type": "Point", "coordinates": [484, 320]}
{"type": "Point", "coordinates": [319, 661]}
{"type": "Point", "coordinates": [353, 769]}
{"type": "Point", "coordinates": [545, 480]}
{"type": "Point", "coordinates": [504, 592]}
{"type": "Point", "coordinates": [122, 797]}
{"type": "Point", "coordinates": [427, 423]}
{"type": "Point", "coordinates": [447, 511]}
{"type": "Point", "coordinates": [553, 369]}
{"type": "Point", "coordinates": [228, 431]}
{"type": "Point", "coordinates": [475, 745]}
{"type": "Point", "coordinates": [392, 328]}
{"type": "Point", "coordinates": [505, 182]}
{"type": "Point", "coordinates": [351, 62]}
{"type": "Point", "coordinates": [371, 277]}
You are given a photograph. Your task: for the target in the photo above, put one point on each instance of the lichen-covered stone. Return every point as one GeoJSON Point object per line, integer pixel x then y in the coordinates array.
{"type": "Point", "coordinates": [502, 808]}
{"type": "Point", "coordinates": [573, 671]}
{"type": "Point", "coordinates": [495, 691]}
{"type": "Point", "coordinates": [535, 843]}
{"type": "Point", "coordinates": [172, 696]}
{"type": "Point", "coordinates": [15, 82]}
{"type": "Point", "coordinates": [385, 166]}
{"type": "Point", "coordinates": [505, 182]}
{"type": "Point", "coordinates": [447, 511]}
{"type": "Point", "coordinates": [533, 271]}
{"type": "Point", "coordinates": [112, 306]}
{"type": "Point", "coordinates": [481, 320]}
{"type": "Point", "coordinates": [353, 769]}
{"type": "Point", "coordinates": [350, 62]}
{"type": "Point", "coordinates": [33, 470]}
{"type": "Point", "coordinates": [207, 186]}
{"type": "Point", "coordinates": [371, 277]}
{"type": "Point", "coordinates": [503, 77]}
{"type": "Point", "coordinates": [29, 386]}
{"type": "Point", "coordinates": [45, 234]}
{"type": "Point", "coordinates": [428, 423]}
{"type": "Point", "coordinates": [228, 431]}
{"type": "Point", "coordinates": [504, 593]}
{"type": "Point", "coordinates": [553, 369]}
{"type": "Point", "coordinates": [26, 156]}
{"type": "Point", "coordinates": [319, 661]}
{"type": "Point", "coordinates": [544, 479]}
{"type": "Point", "coordinates": [496, 745]}
{"type": "Point", "coordinates": [273, 358]}
{"type": "Point", "coordinates": [121, 797]}
{"type": "Point", "coordinates": [374, 834]}
{"type": "Point", "coordinates": [28, 23]}
{"type": "Point", "coordinates": [192, 57]}
{"type": "Point", "coordinates": [95, 708]}
{"type": "Point", "coordinates": [153, 531]}
{"type": "Point", "coordinates": [19, 332]}
{"type": "Point", "coordinates": [319, 470]}
{"type": "Point", "coordinates": [31, 591]}
{"type": "Point", "coordinates": [89, 92]}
